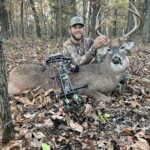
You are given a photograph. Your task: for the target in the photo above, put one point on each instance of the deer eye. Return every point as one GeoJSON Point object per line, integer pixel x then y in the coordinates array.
{"type": "Point", "coordinates": [108, 49]}
{"type": "Point", "coordinates": [122, 47]}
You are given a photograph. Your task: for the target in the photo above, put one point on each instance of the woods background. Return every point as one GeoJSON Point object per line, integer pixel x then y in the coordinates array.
{"type": "Point", "coordinates": [49, 18]}
{"type": "Point", "coordinates": [31, 30]}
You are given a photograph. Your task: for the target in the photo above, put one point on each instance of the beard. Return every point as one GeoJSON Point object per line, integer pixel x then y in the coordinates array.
{"type": "Point", "coordinates": [77, 38]}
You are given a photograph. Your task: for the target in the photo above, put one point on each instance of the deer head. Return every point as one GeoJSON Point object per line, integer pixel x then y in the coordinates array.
{"type": "Point", "coordinates": [118, 47]}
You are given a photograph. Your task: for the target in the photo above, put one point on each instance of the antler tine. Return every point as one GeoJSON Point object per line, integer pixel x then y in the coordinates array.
{"type": "Point", "coordinates": [136, 10]}
{"type": "Point", "coordinates": [135, 16]}
{"type": "Point", "coordinates": [98, 24]}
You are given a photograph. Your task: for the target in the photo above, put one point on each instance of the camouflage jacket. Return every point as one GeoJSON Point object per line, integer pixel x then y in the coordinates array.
{"type": "Point", "coordinates": [80, 53]}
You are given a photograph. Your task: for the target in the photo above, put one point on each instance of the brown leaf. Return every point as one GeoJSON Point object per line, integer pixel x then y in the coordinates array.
{"type": "Point", "coordinates": [135, 104]}
{"type": "Point", "coordinates": [48, 123]}
{"type": "Point", "coordinates": [88, 109]}
{"type": "Point", "coordinates": [13, 109]}
{"type": "Point", "coordinates": [29, 116]}
{"type": "Point", "coordinates": [24, 100]}
{"type": "Point", "coordinates": [143, 91]}
{"type": "Point", "coordinates": [141, 144]}
{"type": "Point", "coordinates": [127, 132]}
{"type": "Point", "coordinates": [19, 119]}
{"type": "Point", "coordinates": [48, 92]}
{"type": "Point", "coordinates": [14, 144]}
{"type": "Point", "coordinates": [146, 82]}
{"type": "Point", "coordinates": [56, 116]}
{"type": "Point", "coordinates": [35, 138]}
{"type": "Point", "coordinates": [75, 126]}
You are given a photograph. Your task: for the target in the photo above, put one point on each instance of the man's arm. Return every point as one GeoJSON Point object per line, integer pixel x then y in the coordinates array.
{"type": "Point", "coordinates": [69, 51]}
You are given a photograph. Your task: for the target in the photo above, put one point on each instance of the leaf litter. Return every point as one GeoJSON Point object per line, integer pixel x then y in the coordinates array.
{"type": "Point", "coordinates": [40, 121]}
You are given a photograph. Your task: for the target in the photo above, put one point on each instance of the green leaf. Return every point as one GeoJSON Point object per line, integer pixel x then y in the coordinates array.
{"type": "Point", "coordinates": [103, 118]}
{"type": "Point", "coordinates": [45, 146]}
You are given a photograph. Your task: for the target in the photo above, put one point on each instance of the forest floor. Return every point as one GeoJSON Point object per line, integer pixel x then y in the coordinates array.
{"type": "Point", "coordinates": [40, 121]}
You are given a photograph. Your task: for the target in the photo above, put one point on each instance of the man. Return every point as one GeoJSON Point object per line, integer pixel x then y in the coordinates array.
{"type": "Point", "coordinates": [81, 49]}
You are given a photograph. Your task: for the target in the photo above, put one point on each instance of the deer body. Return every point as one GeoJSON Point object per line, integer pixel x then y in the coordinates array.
{"type": "Point", "coordinates": [100, 77]}
{"type": "Point", "coordinates": [91, 75]}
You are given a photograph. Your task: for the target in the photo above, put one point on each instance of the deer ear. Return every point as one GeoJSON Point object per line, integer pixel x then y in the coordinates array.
{"type": "Point", "coordinates": [102, 51]}
{"type": "Point", "coordinates": [129, 45]}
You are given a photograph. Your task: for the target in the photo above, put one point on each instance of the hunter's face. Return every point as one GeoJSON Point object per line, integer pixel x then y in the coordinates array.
{"type": "Point", "coordinates": [76, 31]}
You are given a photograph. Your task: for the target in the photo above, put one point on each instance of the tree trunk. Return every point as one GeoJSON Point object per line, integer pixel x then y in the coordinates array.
{"type": "Point", "coordinates": [36, 18]}
{"type": "Point", "coordinates": [74, 7]}
{"type": "Point", "coordinates": [140, 5]}
{"type": "Point", "coordinates": [130, 22]}
{"type": "Point", "coordinates": [51, 33]}
{"type": "Point", "coordinates": [11, 23]}
{"type": "Point", "coordinates": [56, 20]}
{"type": "Point", "coordinates": [89, 19]}
{"type": "Point", "coordinates": [22, 20]}
{"type": "Point", "coordinates": [84, 10]}
{"type": "Point", "coordinates": [95, 8]}
{"type": "Point", "coordinates": [146, 28]}
{"type": "Point", "coordinates": [59, 9]}
{"type": "Point", "coordinates": [4, 19]}
{"type": "Point", "coordinates": [7, 125]}
{"type": "Point", "coordinates": [115, 23]}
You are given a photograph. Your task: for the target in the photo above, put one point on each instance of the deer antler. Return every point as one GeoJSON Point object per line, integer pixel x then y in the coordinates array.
{"type": "Point", "coordinates": [135, 14]}
{"type": "Point", "coordinates": [136, 23]}
{"type": "Point", "coordinates": [98, 24]}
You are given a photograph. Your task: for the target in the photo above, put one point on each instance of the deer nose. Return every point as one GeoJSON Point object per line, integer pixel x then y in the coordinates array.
{"type": "Point", "coordinates": [116, 60]}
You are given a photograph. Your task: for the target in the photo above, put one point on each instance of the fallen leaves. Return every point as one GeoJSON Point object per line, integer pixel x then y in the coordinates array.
{"type": "Point", "coordinates": [36, 138]}
{"type": "Point", "coordinates": [135, 104]}
{"type": "Point", "coordinates": [136, 139]}
{"type": "Point", "coordinates": [140, 144]}
{"type": "Point", "coordinates": [29, 116]}
{"type": "Point", "coordinates": [40, 122]}
{"type": "Point", "coordinates": [75, 126]}
{"type": "Point", "coordinates": [146, 82]}
{"type": "Point", "coordinates": [88, 109]}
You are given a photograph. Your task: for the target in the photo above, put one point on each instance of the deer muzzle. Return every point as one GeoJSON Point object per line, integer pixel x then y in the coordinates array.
{"type": "Point", "coordinates": [116, 60]}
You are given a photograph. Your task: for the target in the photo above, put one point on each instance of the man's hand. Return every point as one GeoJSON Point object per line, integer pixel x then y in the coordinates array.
{"type": "Point", "coordinates": [100, 41]}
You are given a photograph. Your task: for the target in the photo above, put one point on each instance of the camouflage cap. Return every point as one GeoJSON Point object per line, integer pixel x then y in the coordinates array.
{"type": "Point", "coordinates": [76, 20]}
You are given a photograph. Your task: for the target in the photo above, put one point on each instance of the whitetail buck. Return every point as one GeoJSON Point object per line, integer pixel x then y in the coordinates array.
{"type": "Point", "coordinates": [100, 77]}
